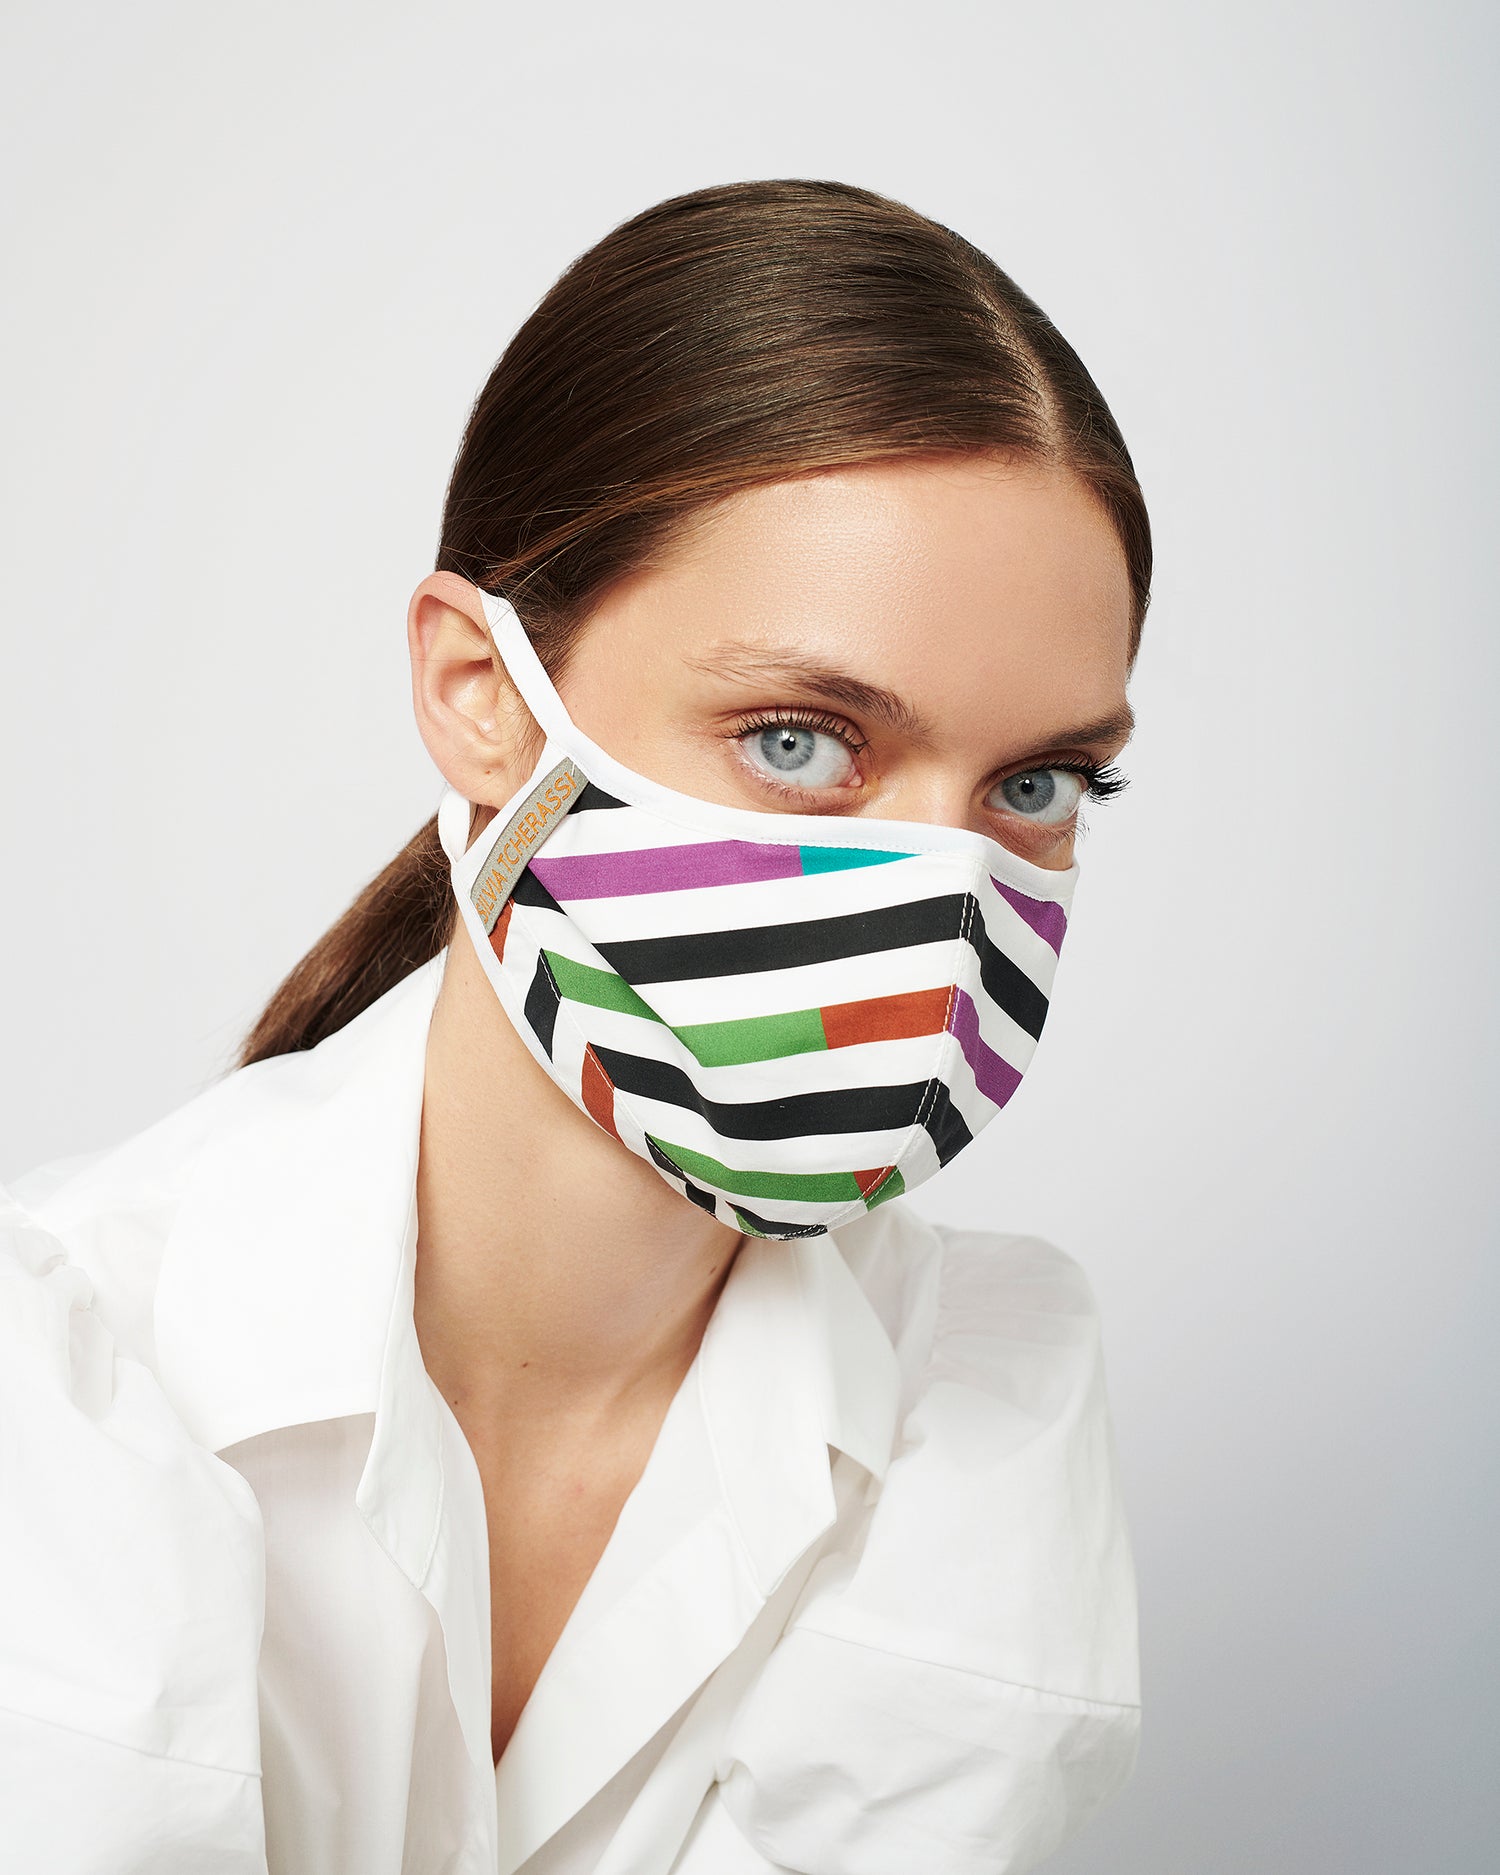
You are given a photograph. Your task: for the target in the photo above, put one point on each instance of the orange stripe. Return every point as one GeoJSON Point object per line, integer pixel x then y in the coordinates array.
{"type": "Point", "coordinates": [599, 1093]}
{"type": "Point", "coordinates": [886, 1018]}
{"type": "Point", "coordinates": [502, 925]}
{"type": "Point", "coordinates": [867, 1181]}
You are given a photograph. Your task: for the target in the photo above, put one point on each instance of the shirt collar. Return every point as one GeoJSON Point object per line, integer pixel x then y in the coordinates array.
{"type": "Point", "coordinates": [286, 1286]}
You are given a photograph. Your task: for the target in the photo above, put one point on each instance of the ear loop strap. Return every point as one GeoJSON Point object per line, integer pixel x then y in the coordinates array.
{"type": "Point", "coordinates": [525, 669]}
{"type": "Point", "coordinates": [454, 815]}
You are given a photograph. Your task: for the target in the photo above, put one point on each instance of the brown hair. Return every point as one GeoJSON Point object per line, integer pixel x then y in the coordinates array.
{"type": "Point", "coordinates": [729, 337]}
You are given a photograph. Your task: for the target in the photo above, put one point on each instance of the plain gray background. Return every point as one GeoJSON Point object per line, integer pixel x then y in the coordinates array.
{"type": "Point", "coordinates": [261, 260]}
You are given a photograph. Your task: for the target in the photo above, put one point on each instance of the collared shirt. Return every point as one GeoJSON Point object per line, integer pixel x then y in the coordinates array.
{"type": "Point", "coordinates": [869, 1608]}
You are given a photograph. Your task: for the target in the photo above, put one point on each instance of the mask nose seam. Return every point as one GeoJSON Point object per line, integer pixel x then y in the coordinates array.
{"type": "Point", "coordinates": [929, 1093]}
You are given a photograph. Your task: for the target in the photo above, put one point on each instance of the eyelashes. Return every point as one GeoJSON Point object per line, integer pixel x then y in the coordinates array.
{"type": "Point", "coordinates": [1102, 781]}
{"type": "Point", "coordinates": [814, 720]}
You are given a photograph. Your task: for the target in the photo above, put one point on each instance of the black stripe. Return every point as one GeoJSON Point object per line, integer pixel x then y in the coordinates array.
{"type": "Point", "coordinates": [593, 796]}
{"type": "Point", "coordinates": [529, 890]}
{"type": "Point", "coordinates": [784, 946]}
{"type": "Point", "coordinates": [840, 1110]}
{"type": "Point", "coordinates": [704, 1200]}
{"type": "Point", "coordinates": [946, 1126]}
{"type": "Point", "coordinates": [1007, 984]}
{"type": "Point", "coordinates": [768, 1227]}
{"type": "Point", "coordinates": [660, 1158]}
{"type": "Point", "coordinates": [542, 1000]}
{"type": "Point", "coordinates": [816, 940]}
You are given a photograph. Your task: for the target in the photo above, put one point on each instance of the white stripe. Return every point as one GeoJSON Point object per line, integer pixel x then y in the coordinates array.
{"type": "Point", "coordinates": [809, 1155]}
{"type": "Point", "coordinates": [1009, 932]}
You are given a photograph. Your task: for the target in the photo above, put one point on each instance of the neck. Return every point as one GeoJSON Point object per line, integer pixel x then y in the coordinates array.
{"type": "Point", "coordinates": [558, 1278]}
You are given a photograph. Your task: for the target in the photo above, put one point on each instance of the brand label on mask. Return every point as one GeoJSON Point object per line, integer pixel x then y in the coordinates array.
{"type": "Point", "coordinates": [536, 817]}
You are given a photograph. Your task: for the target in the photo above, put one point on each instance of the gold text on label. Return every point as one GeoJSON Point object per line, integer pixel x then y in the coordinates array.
{"type": "Point", "coordinates": [521, 835]}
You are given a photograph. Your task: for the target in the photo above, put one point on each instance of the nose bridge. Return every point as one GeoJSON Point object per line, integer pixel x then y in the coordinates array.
{"type": "Point", "coordinates": [936, 791]}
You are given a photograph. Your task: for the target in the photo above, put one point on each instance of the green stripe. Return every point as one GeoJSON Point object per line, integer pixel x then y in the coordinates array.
{"type": "Point", "coordinates": [811, 1187]}
{"type": "Point", "coordinates": [582, 983]}
{"type": "Point", "coordinates": [892, 1188]}
{"type": "Point", "coordinates": [713, 1044]}
{"type": "Point", "coordinates": [754, 1038]}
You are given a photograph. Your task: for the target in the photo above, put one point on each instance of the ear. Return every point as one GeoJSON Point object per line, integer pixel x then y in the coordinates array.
{"type": "Point", "coordinates": [475, 727]}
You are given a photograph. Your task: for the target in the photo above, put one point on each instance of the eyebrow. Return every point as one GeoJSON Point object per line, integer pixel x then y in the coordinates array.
{"type": "Point", "coordinates": [751, 664]}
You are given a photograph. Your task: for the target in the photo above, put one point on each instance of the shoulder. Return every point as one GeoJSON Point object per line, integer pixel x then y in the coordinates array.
{"type": "Point", "coordinates": [996, 1541]}
{"type": "Point", "coordinates": [958, 1687]}
{"type": "Point", "coordinates": [280, 1130]}
{"type": "Point", "coordinates": [130, 1602]}
{"type": "Point", "coordinates": [1005, 1314]}
{"type": "Point", "coordinates": [112, 1210]}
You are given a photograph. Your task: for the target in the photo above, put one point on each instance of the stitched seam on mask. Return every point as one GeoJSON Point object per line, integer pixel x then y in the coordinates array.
{"type": "Point", "coordinates": [519, 911]}
{"type": "Point", "coordinates": [667, 1156]}
{"type": "Point", "coordinates": [929, 1097]}
{"type": "Point", "coordinates": [563, 1015]}
{"type": "Point", "coordinates": [929, 1094]}
{"type": "Point", "coordinates": [541, 957]}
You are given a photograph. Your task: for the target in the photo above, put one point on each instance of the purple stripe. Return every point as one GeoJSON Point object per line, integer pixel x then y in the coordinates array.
{"type": "Point", "coordinates": [995, 1078]}
{"type": "Point", "coordinates": [1048, 920]}
{"type": "Point", "coordinates": [665, 869]}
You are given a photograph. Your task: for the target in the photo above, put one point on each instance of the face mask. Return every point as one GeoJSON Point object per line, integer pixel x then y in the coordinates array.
{"type": "Point", "coordinates": [793, 1017]}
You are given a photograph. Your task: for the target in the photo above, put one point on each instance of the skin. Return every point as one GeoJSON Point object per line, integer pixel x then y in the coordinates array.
{"type": "Point", "coordinates": [562, 1288]}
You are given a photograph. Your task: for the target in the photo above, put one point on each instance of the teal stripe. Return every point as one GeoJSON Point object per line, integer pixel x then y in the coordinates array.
{"type": "Point", "coordinates": [843, 858]}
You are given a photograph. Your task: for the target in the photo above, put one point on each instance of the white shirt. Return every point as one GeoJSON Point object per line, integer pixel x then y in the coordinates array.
{"type": "Point", "coordinates": [869, 1609]}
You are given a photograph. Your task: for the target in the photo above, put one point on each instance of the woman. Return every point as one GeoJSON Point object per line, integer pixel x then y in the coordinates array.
{"type": "Point", "coordinates": [513, 1420]}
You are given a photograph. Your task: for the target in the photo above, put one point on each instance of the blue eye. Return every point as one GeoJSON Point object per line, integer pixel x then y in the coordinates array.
{"type": "Point", "coordinates": [797, 756]}
{"type": "Point", "coordinates": [1049, 796]}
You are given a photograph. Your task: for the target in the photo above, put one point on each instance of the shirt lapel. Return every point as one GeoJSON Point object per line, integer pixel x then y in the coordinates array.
{"type": "Point", "coordinates": [738, 1486]}
{"type": "Point", "coordinates": [280, 1274]}
{"type": "Point", "coordinates": [285, 1296]}
{"type": "Point", "coordinates": [418, 1474]}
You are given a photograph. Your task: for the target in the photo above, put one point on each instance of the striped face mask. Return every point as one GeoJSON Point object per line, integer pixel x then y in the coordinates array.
{"type": "Point", "coordinates": [792, 1017]}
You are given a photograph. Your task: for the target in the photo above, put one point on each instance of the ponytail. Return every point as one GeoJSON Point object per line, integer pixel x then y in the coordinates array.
{"type": "Point", "coordinates": [401, 919]}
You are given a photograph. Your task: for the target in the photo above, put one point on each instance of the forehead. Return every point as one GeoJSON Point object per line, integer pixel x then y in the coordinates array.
{"type": "Point", "coordinates": [961, 583]}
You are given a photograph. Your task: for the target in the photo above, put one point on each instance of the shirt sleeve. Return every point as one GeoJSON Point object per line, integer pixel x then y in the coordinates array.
{"type": "Point", "coordinates": [958, 1689]}
{"type": "Point", "coordinates": [131, 1600]}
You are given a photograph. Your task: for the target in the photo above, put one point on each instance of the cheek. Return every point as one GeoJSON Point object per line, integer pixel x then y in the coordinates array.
{"type": "Point", "coordinates": [638, 716]}
{"type": "Point", "coordinates": [1057, 856]}
{"type": "Point", "coordinates": [1048, 846]}
{"type": "Point", "coordinates": [613, 708]}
